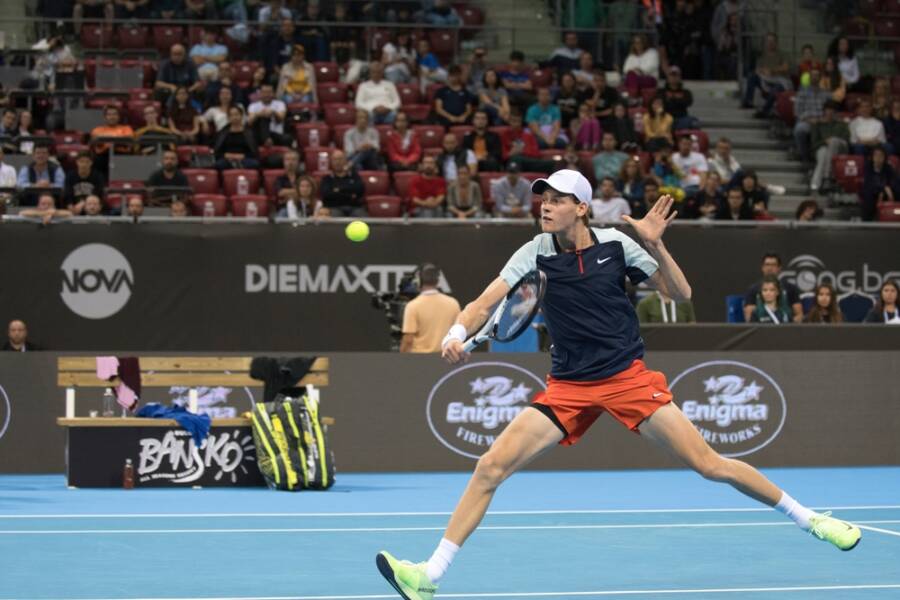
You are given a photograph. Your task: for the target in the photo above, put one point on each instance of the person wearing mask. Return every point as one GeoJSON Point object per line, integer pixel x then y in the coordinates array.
{"type": "Point", "coordinates": [768, 307]}
{"type": "Point", "coordinates": [885, 310]}
{"type": "Point", "coordinates": [825, 309]}
{"type": "Point", "coordinates": [343, 192]}
{"type": "Point", "coordinates": [428, 316]}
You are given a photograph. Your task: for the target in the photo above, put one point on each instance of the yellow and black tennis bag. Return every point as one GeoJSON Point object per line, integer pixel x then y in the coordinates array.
{"type": "Point", "coordinates": [292, 449]}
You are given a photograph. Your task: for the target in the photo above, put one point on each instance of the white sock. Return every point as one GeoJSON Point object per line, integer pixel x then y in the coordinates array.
{"type": "Point", "coordinates": [440, 560]}
{"type": "Point", "coordinates": [794, 510]}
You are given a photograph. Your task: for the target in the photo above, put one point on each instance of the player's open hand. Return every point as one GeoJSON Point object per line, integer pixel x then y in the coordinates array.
{"type": "Point", "coordinates": [654, 223]}
{"type": "Point", "coordinates": [454, 353]}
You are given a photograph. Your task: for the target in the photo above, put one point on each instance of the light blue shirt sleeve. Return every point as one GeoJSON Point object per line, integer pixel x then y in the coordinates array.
{"type": "Point", "coordinates": [639, 265]}
{"type": "Point", "coordinates": [22, 180]}
{"type": "Point", "coordinates": [60, 178]}
{"type": "Point", "coordinates": [520, 263]}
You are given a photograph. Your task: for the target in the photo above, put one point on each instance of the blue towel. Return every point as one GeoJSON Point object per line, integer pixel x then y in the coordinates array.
{"type": "Point", "coordinates": [197, 425]}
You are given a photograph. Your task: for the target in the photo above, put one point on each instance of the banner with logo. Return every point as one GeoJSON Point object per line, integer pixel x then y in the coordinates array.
{"type": "Point", "coordinates": [398, 412]}
{"type": "Point", "coordinates": [248, 287]}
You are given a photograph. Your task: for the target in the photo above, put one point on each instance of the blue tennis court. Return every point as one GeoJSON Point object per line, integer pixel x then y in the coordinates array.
{"type": "Point", "coordinates": [647, 534]}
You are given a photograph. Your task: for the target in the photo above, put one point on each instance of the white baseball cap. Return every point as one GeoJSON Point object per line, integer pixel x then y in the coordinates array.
{"type": "Point", "coordinates": [566, 181]}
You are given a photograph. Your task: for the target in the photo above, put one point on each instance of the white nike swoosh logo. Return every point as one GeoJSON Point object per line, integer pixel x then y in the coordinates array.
{"type": "Point", "coordinates": [600, 262]}
{"type": "Point", "coordinates": [657, 394]}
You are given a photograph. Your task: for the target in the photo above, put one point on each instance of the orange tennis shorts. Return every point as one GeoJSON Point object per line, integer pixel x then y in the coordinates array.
{"type": "Point", "coordinates": [630, 396]}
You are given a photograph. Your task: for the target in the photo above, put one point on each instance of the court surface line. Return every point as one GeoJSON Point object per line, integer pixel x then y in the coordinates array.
{"type": "Point", "coordinates": [742, 590]}
{"type": "Point", "coordinates": [428, 514]}
{"type": "Point", "coordinates": [410, 529]}
{"type": "Point", "coordinates": [887, 531]}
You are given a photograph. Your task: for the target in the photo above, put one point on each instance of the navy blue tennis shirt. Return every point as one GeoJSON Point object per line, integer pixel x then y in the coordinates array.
{"type": "Point", "coordinates": [592, 323]}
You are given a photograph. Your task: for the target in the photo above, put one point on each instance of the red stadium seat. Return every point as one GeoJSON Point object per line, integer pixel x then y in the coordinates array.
{"type": "Point", "coordinates": [133, 37]}
{"type": "Point", "coordinates": [316, 158]}
{"type": "Point", "coordinates": [531, 175]}
{"type": "Point", "coordinates": [194, 35]}
{"type": "Point", "coordinates": [186, 154]}
{"type": "Point", "coordinates": [409, 93]}
{"type": "Point", "coordinates": [430, 136]}
{"type": "Point", "coordinates": [267, 151]}
{"type": "Point", "coordinates": [461, 131]}
{"type": "Point", "coordinates": [586, 164]}
{"type": "Point", "coordinates": [401, 183]}
{"type": "Point", "coordinates": [269, 177]}
{"type": "Point", "coordinates": [135, 112]}
{"type": "Point", "coordinates": [431, 91]}
{"type": "Point", "coordinates": [333, 92]}
{"type": "Point", "coordinates": [417, 113]}
{"type": "Point", "coordinates": [887, 211]}
{"type": "Point", "coordinates": [784, 107]}
{"type": "Point", "coordinates": [96, 36]}
{"type": "Point", "coordinates": [340, 114]}
{"type": "Point", "coordinates": [889, 28]}
{"type": "Point", "coordinates": [484, 180]}
{"type": "Point", "coordinates": [433, 152]}
{"type": "Point", "coordinates": [239, 205]}
{"type": "Point", "coordinates": [61, 138]}
{"type": "Point", "coordinates": [243, 70]}
{"type": "Point", "coordinates": [848, 171]}
{"type": "Point", "coordinates": [140, 94]}
{"type": "Point", "coordinates": [443, 44]}
{"type": "Point", "coordinates": [541, 78]}
{"type": "Point", "coordinates": [215, 202]}
{"type": "Point", "coordinates": [382, 206]}
{"type": "Point", "coordinates": [383, 131]}
{"type": "Point", "coordinates": [230, 178]}
{"type": "Point", "coordinates": [552, 154]}
{"type": "Point", "coordinates": [894, 161]}
{"type": "Point", "coordinates": [303, 131]}
{"type": "Point", "coordinates": [67, 153]}
{"type": "Point", "coordinates": [470, 15]}
{"type": "Point", "coordinates": [203, 181]}
{"type": "Point", "coordinates": [378, 183]}
{"type": "Point", "coordinates": [326, 72]}
{"type": "Point", "coordinates": [135, 185]}
{"type": "Point", "coordinates": [499, 130]}
{"type": "Point", "coordinates": [338, 132]}
{"type": "Point", "coordinates": [890, 7]}
{"type": "Point", "coordinates": [702, 145]}
{"type": "Point", "coordinates": [103, 102]}
{"type": "Point", "coordinates": [166, 36]}
{"type": "Point", "coordinates": [647, 96]}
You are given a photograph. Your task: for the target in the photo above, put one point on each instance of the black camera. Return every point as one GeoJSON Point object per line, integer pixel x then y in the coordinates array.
{"type": "Point", "coordinates": [393, 304]}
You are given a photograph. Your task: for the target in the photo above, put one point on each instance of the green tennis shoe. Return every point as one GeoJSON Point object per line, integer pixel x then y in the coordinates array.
{"type": "Point", "coordinates": [409, 579]}
{"type": "Point", "coordinates": [842, 534]}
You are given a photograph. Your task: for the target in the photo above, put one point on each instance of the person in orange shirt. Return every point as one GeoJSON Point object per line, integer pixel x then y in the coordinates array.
{"type": "Point", "coordinates": [113, 128]}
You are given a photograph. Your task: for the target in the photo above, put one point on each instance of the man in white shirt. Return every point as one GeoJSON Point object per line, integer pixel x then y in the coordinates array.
{"type": "Point", "coordinates": [378, 96]}
{"type": "Point", "coordinates": [8, 177]}
{"type": "Point", "coordinates": [267, 118]}
{"type": "Point", "coordinates": [362, 144]}
{"type": "Point", "coordinates": [866, 132]}
{"type": "Point", "coordinates": [610, 206]}
{"type": "Point", "coordinates": [693, 166]}
{"type": "Point", "coordinates": [724, 162]}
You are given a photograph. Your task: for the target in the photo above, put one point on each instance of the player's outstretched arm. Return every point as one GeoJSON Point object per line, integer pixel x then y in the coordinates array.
{"type": "Point", "coordinates": [668, 279]}
{"type": "Point", "coordinates": [470, 319]}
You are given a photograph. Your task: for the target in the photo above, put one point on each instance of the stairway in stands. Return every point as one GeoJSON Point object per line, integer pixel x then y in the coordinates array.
{"type": "Point", "coordinates": [717, 106]}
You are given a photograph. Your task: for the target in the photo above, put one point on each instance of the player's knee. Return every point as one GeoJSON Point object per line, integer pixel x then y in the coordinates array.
{"type": "Point", "coordinates": [490, 470]}
{"type": "Point", "coordinates": [712, 466]}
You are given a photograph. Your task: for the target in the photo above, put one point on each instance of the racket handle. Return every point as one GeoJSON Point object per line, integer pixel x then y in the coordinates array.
{"type": "Point", "coordinates": [471, 344]}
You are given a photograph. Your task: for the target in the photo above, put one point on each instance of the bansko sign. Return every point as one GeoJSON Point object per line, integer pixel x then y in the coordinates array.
{"type": "Point", "coordinates": [175, 458]}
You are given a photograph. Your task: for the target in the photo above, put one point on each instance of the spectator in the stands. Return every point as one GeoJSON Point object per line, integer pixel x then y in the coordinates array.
{"type": "Point", "coordinates": [343, 191]}
{"type": "Point", "coordinates": [403, 149]}
{"type": "Point", "coordinates": [485, 144]}
{"type": "Point", "coordinates": [362, 145]}
{"type": "Point", "coordinates": [17, 338]}
{"type": "Point", "coordinates": [641, 66]}
{"type": "Point", "coordinates": [708, 201]}
{"type": "Point", "coordinates": [454, 156]}
{"type": "Point", "coordinates": [892, 125]}
{"type": "Point", "coordinates": [208, 54]}
{"type": "Point", "coordinates": [184, 120]}
{"type": "Point", "coordinates": [734, 208]}
{"type": "Point", "coordinates": [278, 48]}
{"type": "Point", "coordinates": [832, 81]}
{"type": "Point", "coordinates": [439, 12]}
{"type": "Point", "coordinates": [808, 61]}
{"type": "Point", "coordinates": [622, 127]}
{"type": "Point", "coordinates": [658, 125]}
{"type": "Point", "coordinates": [568, 98]}
{"type": "Point", "coordinates": [511, 194]}
{"type": "Point", "coordinates": [94, 10]}
{"type": "Point", "coordinates": [134, 207]}
{"type": "Point", "coordinates": [519, 144]}
{"type": "Point", "coordinates": [199, 10]}
{"type": "Point", "coordinates": [398, 57]}
{"type": "Point", "coordinates": [168, 175]}
{"type": "Point", "coordinates": [493, 98]}
{"type": "Point", "coordinates": [81, 183]}
{"type": "Point", "coordinates": [607, 205]}
{"type": "Point", "coordinates": [723, 11]}
{"type": "Point", "coordinates": [474, 70]}
{"type": "Point", "coordinates": [305, 203]}
{"type": "Point", "coordinates": [677, 99]}
{"type": "Point", "coordinates": [723, 162]}
{"type": "Point", "coordinates": [464, 196]}
{"type": "Point", "coordinates": [603, 98]}
{"type": "Point", "coordinates": [40, 173]}
{"type": "Point", "coordinates": [726, 49]}
{"type": "Point", "coordinates": [45, 210]}
{"type": "Point", "coordinates": [430, 69]}
{"type": "Point", "coordinates": [378, 96]}
{"type": "Point", "coordinates": [651, 195]}
{"type": "Point", "coordinates": [285, 185]}
{"type": "Point", "coordinates": [544, 120]}
{"type": "Point", "coordinates": [178, 209]}
{"type": "Point", "coordinates": [453, 104]}
{"type": "Point", "coordinates": [683, 40]}
{"type": "Point", "coordinates": [132, 9]}
{"type": "Point", "coordinates": [881, 98]}
{"type": "Point", "coordinates": [768, 303]}
{"type": "Point", "coordinates": [830, 137]}
{"type": "Point", "coordinates": [608, 161]}
{"type": "Point", "coordinates": [93, 206]}
{"type": "Point", "coordinates": [808, 107]}
{"type": "Point", "coordinates": [866, 132]}
{"type": "Point", "coordinates": [825, 309]}
{"type": "Point", "coordinates": [656, 307]}
{"type": "Point", "coordinates": [565, 58]}
{"type": "Point", "coordinates": [789, 293]}
{"type": "Point", "coordinates": [886, 309]}
{"type": "Point", "coordinates": [692, 164]}
{"type": "Point", "coordinates": [272, 13]}
{"type": "Point", "coordinates": [879, 184]}
{"type": "Point", "coordinates": [666, 172]}
{"type": "Point", "coordinates": [630, 184]}
{"type": "Point", "coordinates": [842, 52]}
{"type": "Point", "coordinates": [517, 81]}
{"type": "Point", "coordinates": [216, 117]}
{"type": "Point", "coordinates": [343, 40]}
{"type": "Point", "coordinates": [808, 211]}
{"type": "Point", "coordinates": [755, 195]}
{"type": "Point", "coordinates": [584, 73]}
{"type": "Point", "coordinates": [585, 130]}
{"type": "Point", "coordinates": [312, 35]}
{"type": "Point", "coordinates": [266, 116]}
{"type": "Point", "coordinates": [427, 190]}
{"type": "Point", "coordinates": [226, 79]}
{"type": "Point", "coordinates": [113, 127]}
{"type": "Point", "coordinates": [8, 177]}
{"type": "Point", "coordinates": [152, 127]}
{"type": "Point", "coordinates": [174, 72]}
{"type": "Point", "coordinates": [234, 146]}
{"type": "Point", "coordinates": [8, 125]}
{"type": "Point", "coordinates": [770, 77]}
{"type": "Point", "coordinates": [24, 130]}
{"type": "Point", "coordinates": [297, 78]}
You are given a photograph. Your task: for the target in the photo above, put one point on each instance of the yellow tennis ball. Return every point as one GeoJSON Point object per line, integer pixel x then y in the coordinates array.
{"type": "Point", "coordinates": [804, 80]}
{"type": "Point", "coordinates": [357, 231]}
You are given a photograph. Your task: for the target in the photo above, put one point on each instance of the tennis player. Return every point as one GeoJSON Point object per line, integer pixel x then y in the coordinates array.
{"type": "Point", "coordinates": [597, 367]}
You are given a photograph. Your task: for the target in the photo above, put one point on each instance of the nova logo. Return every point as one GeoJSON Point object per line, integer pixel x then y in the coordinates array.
{"type": "Point", "coordinates": [96, 281]}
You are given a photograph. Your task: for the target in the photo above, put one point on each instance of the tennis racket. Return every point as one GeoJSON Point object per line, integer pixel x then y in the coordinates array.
{"type": "Point", "coordinates": [514, 313]}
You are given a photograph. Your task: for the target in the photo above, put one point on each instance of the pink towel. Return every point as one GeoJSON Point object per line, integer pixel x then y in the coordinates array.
{"type": "Point", "coordinates": [107, 368]}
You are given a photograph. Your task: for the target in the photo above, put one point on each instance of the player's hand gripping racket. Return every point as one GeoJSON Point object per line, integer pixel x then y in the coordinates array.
{"type": "Point", "coordinates": [514, 313]}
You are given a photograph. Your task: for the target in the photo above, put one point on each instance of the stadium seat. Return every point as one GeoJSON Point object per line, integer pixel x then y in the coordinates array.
{"type": "Point", "coordinates": [378, 183]}
{"type": "Point", "coordinates": [430, 136]}
{"type": "Point", "coordinates": [484, 181]}
{"type": "Point", "coordinates": [734, 308]}
{"type": "Point", "coordinates": [67, 153]}
{"type": "Point", "coordinates": [338, 132]}
{"type": "Point", "coordinates": [269, 177]}
{"type": "Point", "coordinates": [417, 113]}
{"type": "Point", "coordinates": [431, 91]}
{"type": "Point", "coordinates": [340, 114]}
{"type": "Point", "coordinates": [471, 16]}
{"type": "Point", "coordinates": [443, 44]}
{"type": "Point", "coordinates": [326, 72]}
{"type": "Point", "coordinates": [230, 179]}
{"type": "Point", "coordinates": [186, 154]}
{"type": "Point", "coordinates": [315, 158]}
{"type": "Point", "coordinates": [333, 92]}
{"type": "Point", "coordinates": [302, 131]}
{"type": "Point", "coordinates": [243, 71]}
{"type": "Point", "coordinates": [133, 37]}
{"type": "Point", "coordinates": [702, 145]}
{"type": "Point", "coordinates": [135, 112]}
{"type": "Point", "coordinates": [499, 130]}
{"type": "Point", "coordinates": [886, 27]}
{"type": "Point", "coordinates": [409, 93]}
{"type": "Point", "coordinates": [541, 78]}
{"type": "Point", "coordinates": [889, 211]}
{"type": "Point", "coordinates": [552, 154]}
{"type": "Point", "coordinates": [890, 7]}
{"type": "Point", "coordinates": [61, 138]}
{"type": "Point", "coordinates": [216, 201]}
{"type": "Point", "coordinates": [166, 36]}
{"type": "Point", "coordinates": [384, 206]}
{"type": "Point", "coordinates": [532, 176]}
{"type": "Point", "coordinates": [239, 205]}
{"type": "Point", "coordinates": [784, 108]}
{"type": "Point", "coordinates": [383, 131]}
{"type": "Point", "coordinates": [855, 306]}
{"type": "Point", "coordinates": [103, 102]}
{"type": "Point", "coordinates": [95, 36]}
{"type": "Point", "coordinates": [460, 131]}
{"type": "Point", "coordinates": [140, 94]}
{"type": "Point", "coordinates": [203, 181]}
{"type": "Point", "coordinates": [194, 35]}
{"type": "Point", "coordinates": [848, 171]}
{"type": "Point", "coordinates": [267, 151]}
{"type": "Point", "coordinates": [402, 180]}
